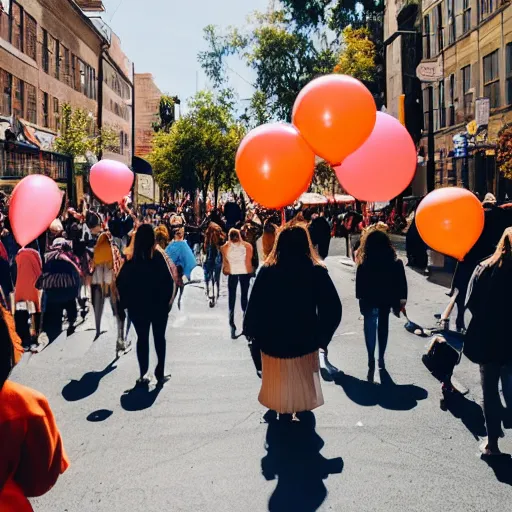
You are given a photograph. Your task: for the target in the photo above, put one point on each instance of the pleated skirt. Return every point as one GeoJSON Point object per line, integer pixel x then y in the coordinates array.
{"type": "Point", "coordinates": [291, 385]}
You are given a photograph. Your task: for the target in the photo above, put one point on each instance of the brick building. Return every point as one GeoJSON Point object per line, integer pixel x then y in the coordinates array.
{"type": "Point", "coordinates": [60, 51]}
{"type": "Point", "coordinates": [467, 76]}
{"type": "Point", "coordinates": [147, 101]}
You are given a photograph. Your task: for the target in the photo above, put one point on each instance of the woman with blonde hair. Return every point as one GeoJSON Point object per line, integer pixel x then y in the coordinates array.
{"type": "Point", "coordinates": [290, 342]}
{"type": "Point", "coordinates": [237, 258]}
{"type": "Point", "coordinates": [488, 338]}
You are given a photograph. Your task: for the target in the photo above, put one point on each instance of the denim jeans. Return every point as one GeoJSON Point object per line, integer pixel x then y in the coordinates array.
{"type": "Point", "coordinates": [493, 408]}
{"type": "Point", "coordinates": [376, 321]}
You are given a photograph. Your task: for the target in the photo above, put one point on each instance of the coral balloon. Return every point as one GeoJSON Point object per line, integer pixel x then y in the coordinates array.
{"type": "Point", "coordinates": [450, 221]}
{"type": "Point", "coordinates": [34, 204]}
{"type": "Point", "coordinates": [111, 180]}
{"type": "Point", "coordinates": [383, 166]}
{"type": "Point", "coordinates": [274, 164]}
{"type": "Point", "coordinates": [335, 114]}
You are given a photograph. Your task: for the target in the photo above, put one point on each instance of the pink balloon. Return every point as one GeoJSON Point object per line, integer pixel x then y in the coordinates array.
{"type": "Point", "coordinates": [111, 180]}
{"type": "Point", "coordinates": [383, 166]}
{"type": "Point", "coordinates": [34, 205]}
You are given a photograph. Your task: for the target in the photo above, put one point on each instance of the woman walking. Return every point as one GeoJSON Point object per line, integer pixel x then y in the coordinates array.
{"type": "Point", "coordinates": [213, 240]}
{"type": "Point", "coordinates": [146, 289]}
{"type": "Point", "coordinates": [381, 286]}
{"type": "Point", "coordinates": [237, 257]}
{"type": "Point", "coordinates": [488, 340]}
{"type": "Point", "coordinates": [290, 341]}
{"type": "Point", "coordinates": [33, 455]}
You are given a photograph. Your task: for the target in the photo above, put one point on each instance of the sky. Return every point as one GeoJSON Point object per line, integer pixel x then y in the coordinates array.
{"type": "Point", "coordinates": [163, 37]}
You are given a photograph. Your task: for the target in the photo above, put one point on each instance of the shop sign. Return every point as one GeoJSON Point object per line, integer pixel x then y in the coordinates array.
{"type": "Point", "coordinates": [430, 71]}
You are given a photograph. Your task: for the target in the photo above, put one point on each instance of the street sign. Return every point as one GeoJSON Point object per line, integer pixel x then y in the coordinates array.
{"type": "Point", "coordinates": [430, 71]}
{"type": "Point", "coordinates": [482, 110]}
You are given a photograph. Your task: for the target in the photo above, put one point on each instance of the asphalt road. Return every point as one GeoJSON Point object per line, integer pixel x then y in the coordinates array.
{"type": "Point", "coordinates": [201, 444]}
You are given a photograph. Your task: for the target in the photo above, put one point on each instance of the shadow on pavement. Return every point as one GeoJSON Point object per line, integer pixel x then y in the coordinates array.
{"type": "Point", "coordinates": [469, 412]}
{"type": "Point", "coordinates": [294, 459]}
{"type": "Point", "coordinates": [99, 415]}
{"type": "Point", "coordinates": [502, 467]}
{"type": "Point", "coordinates": [138, 399]}
{"type": "Point", "coordinates": [389, 395]}
{"type": "Point", "coordinates": [87, 385]}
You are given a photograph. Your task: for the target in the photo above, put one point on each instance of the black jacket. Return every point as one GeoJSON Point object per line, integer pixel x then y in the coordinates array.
{"type": "Point", "coordinates": [292, 311]}
{"type": "Point", "coordinates": [381, 285]}
{"type": "Point", "coordinates": [489, 335]}
{"type": "Point", "coordinates": [145, 286]}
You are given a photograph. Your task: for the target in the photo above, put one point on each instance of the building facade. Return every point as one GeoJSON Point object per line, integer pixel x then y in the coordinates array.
{"type": "Point", "coordinates": [467, 91]}
{"type": "Point", "coordinates": [147, 102]}
{"type": "Point", "coordinates": [56, 52]}
{"type": "Point", "coordinates": [403, 53]}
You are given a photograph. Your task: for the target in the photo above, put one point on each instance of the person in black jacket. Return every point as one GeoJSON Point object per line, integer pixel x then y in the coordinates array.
{"type": "Point", "coordinates": [381, 286]}
{"type": "Point", "coordinates": [488, 338]}
{"type": "Point", "coordinates": [290, 341]}
{"type": "Point", "coordinates": [320, 233]}
{"type": "Point", "coordinates": [146, 288]}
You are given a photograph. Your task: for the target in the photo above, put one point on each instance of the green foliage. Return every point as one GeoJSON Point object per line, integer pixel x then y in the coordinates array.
{"type": "Point", "coordinates": [357, 58]}
{"type": "Point", "coordinates": [199, 149]}
{"type": "Point", "coordinates": [504, 151]}
{"type": "Point", "coordinates": [78, 136]}
{"type": "Point", "coordinates": [290, 46]}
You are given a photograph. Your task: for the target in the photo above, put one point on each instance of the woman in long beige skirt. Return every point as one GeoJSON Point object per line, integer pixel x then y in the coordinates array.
{"type": "Point", "coordinates": [293, 312]}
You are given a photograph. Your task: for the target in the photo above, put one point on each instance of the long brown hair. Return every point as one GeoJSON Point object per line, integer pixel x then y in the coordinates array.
{"type": "Point", "coordinates": [293, 245]}
{"type": "Point", "coordinates": [214, 235]}
{"type": "Point", "coordinates": [382, 242]}
{"type": "Point", "coordinates": [504, 248]}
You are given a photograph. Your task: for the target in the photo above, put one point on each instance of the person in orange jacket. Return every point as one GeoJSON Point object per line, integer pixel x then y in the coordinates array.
{"type": "Point", "coordinates": [32, 454]}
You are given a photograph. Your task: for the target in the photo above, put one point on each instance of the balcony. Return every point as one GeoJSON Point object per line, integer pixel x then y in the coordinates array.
{"type": "Point", "coordinates": [90, 5]}
{"type": "Point", "coordinates": [102, 27]}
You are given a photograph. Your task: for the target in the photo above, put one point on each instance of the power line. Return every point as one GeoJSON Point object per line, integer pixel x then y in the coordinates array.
{"type": "Point", "coordinates": [115, 10]}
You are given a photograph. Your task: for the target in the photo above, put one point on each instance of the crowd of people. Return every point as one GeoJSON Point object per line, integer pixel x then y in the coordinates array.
{"type": "Point", "coordinates": [140, 261]}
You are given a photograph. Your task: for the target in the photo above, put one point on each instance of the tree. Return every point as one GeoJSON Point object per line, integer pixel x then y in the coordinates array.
{"type": "Point", "coordinates": [166, 113]}
{"type": "Point", "coordinates": [504, 151]}
{"type": "Point", "coordinates": [357, 58]}
{"type": "Point", "coordinates": [77, 137]}
{"type": "Point", "coordinates": [199, 149]}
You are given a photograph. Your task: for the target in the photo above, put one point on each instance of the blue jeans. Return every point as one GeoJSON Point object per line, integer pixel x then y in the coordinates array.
{"type": "Point", "coordinates": [376, 321]}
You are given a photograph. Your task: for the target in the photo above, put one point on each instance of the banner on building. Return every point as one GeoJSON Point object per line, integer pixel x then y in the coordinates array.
{"type": "Point", "coordinates": [430, 71]}
{"type": "Point", "coordinates": [482, 111]}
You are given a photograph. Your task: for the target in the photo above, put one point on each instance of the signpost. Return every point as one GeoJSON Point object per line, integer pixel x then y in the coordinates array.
{"type": "Point", "coordinates": [482, 111]}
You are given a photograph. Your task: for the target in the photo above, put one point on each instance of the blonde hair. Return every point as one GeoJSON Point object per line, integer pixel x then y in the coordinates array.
{"type": "Point", "coordinates": [162, 236]}
{"type": "Point", "coordinates": [504, 247]}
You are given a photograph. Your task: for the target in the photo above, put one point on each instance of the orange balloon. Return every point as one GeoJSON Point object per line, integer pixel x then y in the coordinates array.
{"type": "Point", "coordinates": [450, 221]}
{"type": "Point", "coordinates": [335, 114]}
{"type": "Point", "coordinates": [274, 164]}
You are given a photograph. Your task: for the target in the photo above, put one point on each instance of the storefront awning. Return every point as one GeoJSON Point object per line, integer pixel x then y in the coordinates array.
{"type": "Point", "coordinates": [141, 166]}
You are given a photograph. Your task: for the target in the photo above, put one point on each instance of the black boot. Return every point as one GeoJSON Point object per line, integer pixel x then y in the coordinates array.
{"type": "Point", "coordinates": [371, 371]}
{"type": "Point", "coordinates": [232, 324]}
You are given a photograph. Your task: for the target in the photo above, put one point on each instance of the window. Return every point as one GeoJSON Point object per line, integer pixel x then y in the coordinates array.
{"type": "Point", "coordinates": [18, 97]}
{"type": "Point", "coordinates": [451, 100]}
{"type": "Point", "coordinates": [46, 117]}
{"type": "Point", "coordinates": [17, 26]}
{"type": "Point", "coordinates": [30, 39]}
{"type": "Point", "coordinates": [75, 72]}
{"type": "Point", "coordinates": [427, 96]}
{"type": "Point", "coordinates": [466, 16]}
{"type": "Point", "coordinates": [6, 93]}
{"type": "Point", "coordinates": [427, 50]}
{"type": "Point", "coordinates": [467, 95]}
{"type": "Point", "coordinates": [487, 7]}
{"type": "Point", "coordinates": [53, 51]}
{"type": "Point", "coordinates": [5, 20]}
{"type": "Point", "coordinates": [439, 30]}
{"type": "Point", "coordinates": [492, 79]}
{"type": "Point", "coordinates": [509, 73]}
{"type": "Point", "coordinates": [57, 60]}
{"type": "Point", "coordinates": [66, 77]}
{"type": "Point", "coordinates": [45, 56]}
{"type": "Point", "coordinates": [83, 87]}
{"type": "Point", "coordinates": [31, 106]}
{"type": "Point", "coordinates": [450, 13]}
{"type": "Point", "coordinates": [56, 113]}
{"type": "Point", "coordinates": [442, 105]}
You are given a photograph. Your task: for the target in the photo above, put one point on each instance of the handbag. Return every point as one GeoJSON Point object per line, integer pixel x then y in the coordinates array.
{"type": "Point", "coordinates": [441, 358]}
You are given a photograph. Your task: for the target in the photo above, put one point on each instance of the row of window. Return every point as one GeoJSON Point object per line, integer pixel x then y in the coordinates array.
{"type": "Point", "coordinates": [446, 116]}
{"type": "Point", "coordinates": [19, 98]}
{"type": "Point", "coordinates": [449, 20]}
{"type": "Point", "coordinates": [56, 60]}
{"type": "Point", "coordinates": [113, 79]}
{"type": "Point", "coordinates": [120, 109]}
